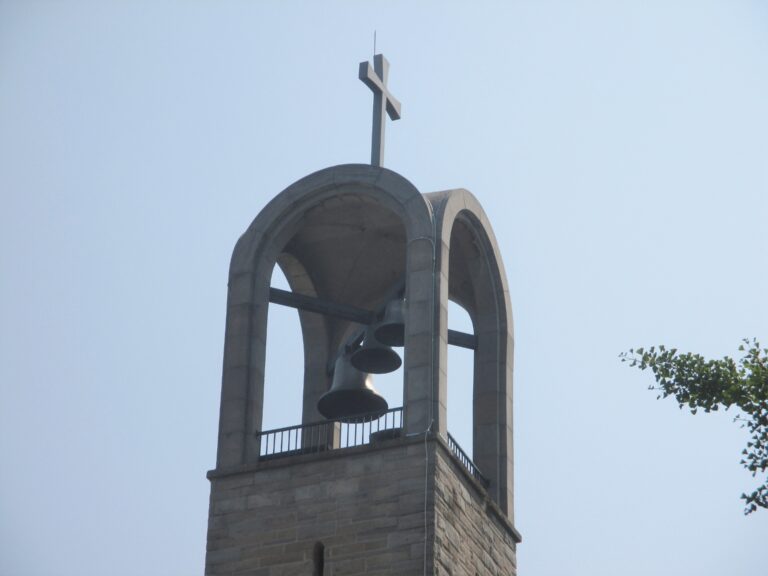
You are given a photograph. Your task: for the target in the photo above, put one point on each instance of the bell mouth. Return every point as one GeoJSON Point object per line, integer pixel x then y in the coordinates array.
{"type": "Point", "coordinates": [376, 360]}
{"type": "Point", "coordinates": [390, 334]}
{"type": "Point", "coordinates": [352, 405]}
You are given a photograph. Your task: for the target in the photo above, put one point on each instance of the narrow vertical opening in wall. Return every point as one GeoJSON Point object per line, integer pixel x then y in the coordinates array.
{"type": "Point", "coordinates": [460, 375]}
{"type": "Point", "coordinates": [284, 369]}
{"type": "Point", "coordinates": [318, 559]}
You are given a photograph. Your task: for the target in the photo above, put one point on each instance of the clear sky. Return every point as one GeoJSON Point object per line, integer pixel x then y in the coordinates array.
{"type": "Point", "coordinates": [619, 148]}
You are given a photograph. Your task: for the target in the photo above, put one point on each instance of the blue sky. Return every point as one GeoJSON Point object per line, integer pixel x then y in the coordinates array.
{"type": "Point", "coordinates": [618, 147]}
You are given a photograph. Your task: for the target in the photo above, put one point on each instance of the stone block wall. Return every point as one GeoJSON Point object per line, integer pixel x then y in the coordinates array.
{"type": "Point", "coordinates": [472, 536]}
{"type": "Point", "coordinates": [365, 504]}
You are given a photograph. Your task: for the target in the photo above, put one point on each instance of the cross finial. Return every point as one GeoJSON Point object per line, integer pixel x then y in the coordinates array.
{"type": "Point", "coordinates": [375, 77]}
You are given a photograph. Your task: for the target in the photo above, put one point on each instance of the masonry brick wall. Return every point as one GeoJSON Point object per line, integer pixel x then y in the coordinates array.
{"type": "Point", "coordinates": [472, 538]}
{"type": "Point", "coordinates": [366, 505]}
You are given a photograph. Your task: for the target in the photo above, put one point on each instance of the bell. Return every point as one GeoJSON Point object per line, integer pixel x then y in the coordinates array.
{"type": "Point", "coordinates": [391, 329]}
{"type": "Point", "coordinates": [352, 396]}
{"type": "Point", "coordinates": [374, 357]}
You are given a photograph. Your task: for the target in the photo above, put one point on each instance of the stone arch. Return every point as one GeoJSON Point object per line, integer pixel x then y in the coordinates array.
{"type": "Point", "coordinates": [264, 244]}
{"type": "Point", "coordinates": [472, 274]}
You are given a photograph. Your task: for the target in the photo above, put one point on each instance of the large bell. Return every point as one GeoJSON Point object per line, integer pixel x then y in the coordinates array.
{"type": "Point", "coordinates": [391, 329]}
{"type": "Point", "coordinates": [352, 396]}
{"type": "Point", "coordinates": [374, 357]}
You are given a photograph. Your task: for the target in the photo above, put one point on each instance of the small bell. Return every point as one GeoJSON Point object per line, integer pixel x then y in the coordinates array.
{"type": "Point", "coordinates": [391, 329]}
{"type": "Point", "coordinates": [374, 357]}
{"type": "Point", "coordinates": [352, 396]}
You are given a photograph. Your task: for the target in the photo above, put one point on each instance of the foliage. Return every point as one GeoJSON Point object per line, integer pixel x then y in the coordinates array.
{"type": "Point", "coordinates": [708, 385]}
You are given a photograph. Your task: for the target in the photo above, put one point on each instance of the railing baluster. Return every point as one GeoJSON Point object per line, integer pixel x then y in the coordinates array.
{"type": "Point", "coordinates": [325, 434]}
{"type": "Point", "coordinates": [322, 436]}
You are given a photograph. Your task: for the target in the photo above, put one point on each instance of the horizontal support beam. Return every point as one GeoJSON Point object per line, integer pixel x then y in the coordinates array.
{"type": "Point", "coordinates": [462, 339]}
{"type": "Point", "coordinates": [351, 313]}
{"type": "Point", "coordinates": [325, 307]}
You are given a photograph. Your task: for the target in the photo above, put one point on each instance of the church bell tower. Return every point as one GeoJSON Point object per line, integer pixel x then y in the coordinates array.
{"type": "Point", "coordinates": [359, 487]}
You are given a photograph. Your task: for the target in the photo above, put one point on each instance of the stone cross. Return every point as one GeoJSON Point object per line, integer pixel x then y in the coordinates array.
{"type": "Point", "coordinates": [375, 77]}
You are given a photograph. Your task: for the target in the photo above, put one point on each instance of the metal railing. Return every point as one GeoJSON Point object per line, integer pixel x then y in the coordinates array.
{"type": "Point", "coordinates": [466, 461]}
{"type": "Point", "coordinates": [335, 435]}
{"type": "Point", "coordinates": [329, 435]}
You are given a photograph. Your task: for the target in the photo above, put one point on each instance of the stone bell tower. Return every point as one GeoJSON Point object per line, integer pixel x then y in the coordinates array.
{"type": "Point", "coordinates": [358, 487]}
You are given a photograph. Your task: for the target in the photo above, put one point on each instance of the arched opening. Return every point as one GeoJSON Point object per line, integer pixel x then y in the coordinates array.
{"type": "Point", "coordinates": [466, 267]}
{"type": "Point", "coordinates": [346, 253]}
{"type": "Point", "coordinates": [349, 250]}
{"type": "Point", "coordinates": [476, 282]}
{"type": "Point", "coordinates": [349, 229]}
{"type": "Point", "coordinates": [460, 375]}
{"type": "Point", "coordinates": [284, 370]}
